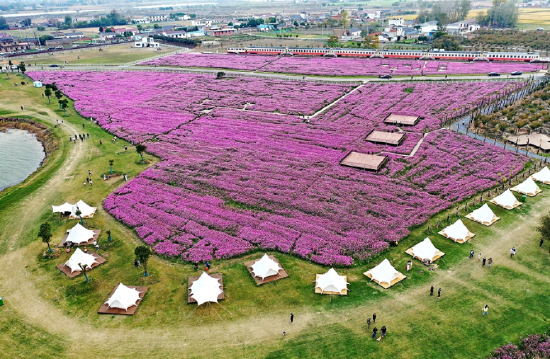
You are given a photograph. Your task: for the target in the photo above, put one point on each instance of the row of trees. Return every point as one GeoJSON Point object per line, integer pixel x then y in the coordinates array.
{"type": "Point", "coordinates": [111, 19]}
{"type": "Point", "coordinates": [445, 12]}
{"type": "Point", "coordinates": [503, 14]}
{"type": "Point", "coordinates": [187, 41]}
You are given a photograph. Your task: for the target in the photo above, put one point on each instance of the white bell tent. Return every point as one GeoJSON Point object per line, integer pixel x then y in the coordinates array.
{"type": "Point", "coordinates": [205, 289]}
{"type": "Point", "coordinates": [425, 251]}
{"type": "Point", "coordinates": [123, 297]}
{"type": "Point", "coordinates": [506, 200]}
{"type": "Point", "coordinates": [457, 232]}
{"type": "Point", "coordinates": [79, 257]}
{"type": "Point", "coordinates": [527, 187]}
{"type": "Point", "coordinates": [265, 267]}
{"type": "Point", "coordinates": [483, 215]}
{"type": "Point", "coordinates": [64, 208]}
{"type": "Point", "coordinates": [542, 176]}
{"type": "Point", "coordinates": [331, 283]}
{"type": "Point", "coordinates": [385, 274]}
{"type": "Point", "coordinates": [86, 211]}
{"type": "Point", "coordinates": [78, 234]}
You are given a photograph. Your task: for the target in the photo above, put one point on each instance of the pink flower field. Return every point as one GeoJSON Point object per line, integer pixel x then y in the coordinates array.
{"type": "Point", "coordinates": [338, 66]}
{"type": "Point", "coordinates": [240, 170]}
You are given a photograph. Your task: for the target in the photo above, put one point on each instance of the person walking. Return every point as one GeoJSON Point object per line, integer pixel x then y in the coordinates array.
{"type": "Point", "coordinates": [471, 253]}
{"type": "Point", "coordinates": [512, 252]}
{"type": "Point", "coordinates": [374, 317]}
{"type": "Point", "coordinates": [291, 318]}
{"type": "Point", "coordinates": [368, 323]}
{"type": "Point", "coordinates": [479, 257]}
{"type": "Point", "coordinates": [374, 332]}
{"type": "Point", "coordinates": [485, 310]}
{"type": "Point", "coordinates": [483, 262]}
{"type": "Point", "coordinates": [489, 262]}
{"type": "Point", "coordinates": [91, 182]}
{"type": "Point", "coordinates": [541, 242]}
{"type": "Point", "coordinates": [439, 293]}
{"type": "Point", "coordinates": [432, 291]}
{"type": "Point", "coordinates": [383, 330]}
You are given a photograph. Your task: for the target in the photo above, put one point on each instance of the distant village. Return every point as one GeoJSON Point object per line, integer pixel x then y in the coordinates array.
{"type": "Point", "coordinates": [386, 25]}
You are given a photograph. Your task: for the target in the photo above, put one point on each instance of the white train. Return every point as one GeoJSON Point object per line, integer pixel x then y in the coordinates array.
{"type": "Point", "coordinates": [401, 54]}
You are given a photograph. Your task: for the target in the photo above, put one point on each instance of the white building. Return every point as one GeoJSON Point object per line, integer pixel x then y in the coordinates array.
{"type": "Point", "coordinates": [147, 42]}
{"type": "Point", "coordinates": [374, 15]}
{"type": "Point", "coordinates": [396, 22]}
{"type": "Point", "coordinates": [428, 27]}
{"type": "Point", "coordinates": [156, 18]}
{"type": "Point", "coordinates": [142, 20]}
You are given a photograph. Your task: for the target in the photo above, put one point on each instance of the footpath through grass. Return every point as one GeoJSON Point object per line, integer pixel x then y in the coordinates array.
{"type": "Point", "coordinates": [419, 326]}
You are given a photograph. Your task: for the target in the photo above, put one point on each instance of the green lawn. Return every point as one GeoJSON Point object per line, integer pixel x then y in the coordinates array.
{"type": "Point", "coordinates": [45, 313]}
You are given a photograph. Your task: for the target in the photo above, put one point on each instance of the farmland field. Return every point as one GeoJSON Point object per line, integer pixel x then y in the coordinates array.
{"type": "Point", "coordinates": [244, 170]}
{"type": "Point", "coordinates": [119, 54]}
{"type": "Point", "coordinates": [337, 66]}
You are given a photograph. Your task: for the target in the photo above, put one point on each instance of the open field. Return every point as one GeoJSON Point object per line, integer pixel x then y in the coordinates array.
{"type": "Point", "coordinates": [119, 54]}
{"type": "Point", "coordinates": [46, 315]}
{"type": "Point", "coordinates": [529, 18]}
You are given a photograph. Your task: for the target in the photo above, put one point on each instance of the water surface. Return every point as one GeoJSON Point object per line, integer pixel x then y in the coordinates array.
{"type": "Point", "coordinates": [20, 155]}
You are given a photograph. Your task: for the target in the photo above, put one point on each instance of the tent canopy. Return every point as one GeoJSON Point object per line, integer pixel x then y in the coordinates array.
{"type": "Point", "coordinates": [78, 234]}
{"type": "Point", "coordinates": [65, 207]}
{"type": "Point", "coordinates": [527, 187]}
{"type": "Point", "coordinates": [425, 250]}
{"type": "Point", "coordinates": [483, 215]}
{"type": "Point", "coordinates": [265, 267]}
{"type": "Point", "coordinates": [384, 272]}
{"type": "Point", "coordinates": [457, 232]}
{"type": "Point", "coordinates": [331, 282]}
{"type": "Point", "coordinates": [506, 200]}
{"type": "Point", "coordinates": [205, 289]}
{"type": "Point", "coordinates": [542, 176]}
{"type": "Point", "coordinates": [80, 257]}
{"type": "Point", "coordinates": [123, 297]}
{"type": "Point", "coordinates": [84, 208]}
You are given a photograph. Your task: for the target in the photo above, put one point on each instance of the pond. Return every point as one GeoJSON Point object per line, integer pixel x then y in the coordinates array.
{"type": "Point", "coordinates": [20, 155]}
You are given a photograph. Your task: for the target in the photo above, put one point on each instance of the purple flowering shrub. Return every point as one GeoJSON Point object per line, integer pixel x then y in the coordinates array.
{"type": "Point", "coordinates": [339, 66]}
{"type": "Point", "coordinates": [531, 347]}
{"type": "Point", "coordinates": [232, 179]}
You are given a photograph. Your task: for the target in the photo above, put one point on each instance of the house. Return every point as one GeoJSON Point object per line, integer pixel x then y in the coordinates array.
{"type": "Point", "coordinates": [10, 45]}
{"type": "Point", "coordinates": [428, 27]}
{"type": "Point", "coordinates": [157, 18]}
{"type": "Point", "coordinates": [265, 28]}
{"type": "Point", "coordinates": [201, 23]}
{"type": "Point", "coordinates": [221, 32]}
{"type": "Point", "coordinates": [196, 34]}
{"type": "Point", "coordinates": [74, 35]}
{"type": "Point", "coordinates": [147, 42]}
{"type": "Point", "coordinates": [374, 15]}
{"type": "Point", "coordinates": [354, 32]}
{"type": "Point", "coordinates": [141, 20]}
{"type": "Point", "coordinates": [396, 22]}
{"type": "Point", "coordinates": [174, 34]}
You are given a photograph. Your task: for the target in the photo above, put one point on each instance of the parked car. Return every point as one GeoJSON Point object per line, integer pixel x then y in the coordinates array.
{"type": "Point", "coordinates": [54, 65]}
{"type": "Point", "coordinates": [516, 73]}
{"type": "Point", "coordinates": [493, 74]}
{"type": "Point", "coordinates": [385, 76]}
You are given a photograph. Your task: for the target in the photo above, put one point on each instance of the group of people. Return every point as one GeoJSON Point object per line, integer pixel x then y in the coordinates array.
{"type": "Point", "coordinates": [77, 136]}
{"type": "Point", "coordinates": [89, 179]}
{"type": "Point", "coordinates": [383, 330]}
{"type": "Point", "coordinates": [483, 260]}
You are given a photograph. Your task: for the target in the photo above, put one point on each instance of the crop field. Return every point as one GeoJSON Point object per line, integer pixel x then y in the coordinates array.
{"type": "Point", "coordinates": [244, 169]}
{"type": "Point", "coordinates": [337, 66]}
{"type": "Point", "coordinates": [119, 54]}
